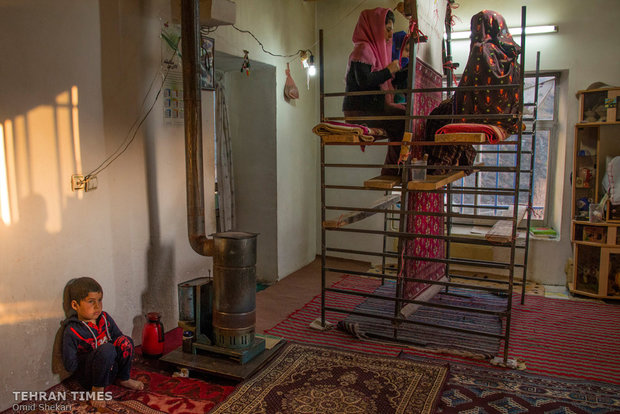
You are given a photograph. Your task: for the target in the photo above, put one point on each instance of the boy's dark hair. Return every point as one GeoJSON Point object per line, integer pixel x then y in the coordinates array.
{"type": "Point", "coordinates": [390, 17]}
{"type": "Point", "coordinates": [79, 288]}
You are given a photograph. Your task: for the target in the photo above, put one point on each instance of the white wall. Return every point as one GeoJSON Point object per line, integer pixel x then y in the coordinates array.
{"type": "Point", "coordinates": [130, 234]}
{"type": "Point", "coordinates": [284, 27]}
{"type": "Point", "coordinates": [52, 236]}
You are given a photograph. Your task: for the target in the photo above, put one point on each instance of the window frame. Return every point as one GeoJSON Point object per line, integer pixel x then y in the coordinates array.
{"type": "Point", "coordinates": [541, 125]}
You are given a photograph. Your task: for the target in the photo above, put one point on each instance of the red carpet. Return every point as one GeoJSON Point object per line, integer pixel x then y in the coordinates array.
{"type": "Point", "coordinates": [566, 337]}
{"type": "Point", "coordinates": [553, 336]}
{"type": "Point", "coordinates": [162, 393]}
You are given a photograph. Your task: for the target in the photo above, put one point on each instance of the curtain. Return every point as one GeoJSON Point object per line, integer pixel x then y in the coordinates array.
{"type": "Point", "coordinates": [224, 175]}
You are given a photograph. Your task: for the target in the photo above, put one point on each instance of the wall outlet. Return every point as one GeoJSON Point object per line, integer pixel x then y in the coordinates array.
{"type": "Point", "coordinates": [77, 182]}
{"type": "Point", "coordinates": [91, 184]}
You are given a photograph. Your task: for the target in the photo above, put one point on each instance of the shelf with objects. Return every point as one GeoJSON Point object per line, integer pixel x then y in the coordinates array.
{"type": "Point", "coordinates": [595, 232]}
{"type": "Point", "coordinates": [421, 298]}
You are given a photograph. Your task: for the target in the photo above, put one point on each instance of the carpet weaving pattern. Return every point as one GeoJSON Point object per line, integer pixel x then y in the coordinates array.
{"type": "Point", "coordinates": [311, 379]}
{"type": "Point", "coordinates": [473, 388]}
{"type": "Point", "coordinates": [435, 337]}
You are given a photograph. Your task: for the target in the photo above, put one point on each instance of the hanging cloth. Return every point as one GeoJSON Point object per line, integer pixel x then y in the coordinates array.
{"type": "Point", "coordinates": [290, 89]}
{"type": "Point", "coordinates": [225, 182]}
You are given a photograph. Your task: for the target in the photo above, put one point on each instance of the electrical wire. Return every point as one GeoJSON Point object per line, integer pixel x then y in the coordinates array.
{"type": "Point", "coordinates": [127, 142]}
{"type": "Point", "coordinates": [204, 30]}
{"type": "Point", "coordinates": [263, 47]}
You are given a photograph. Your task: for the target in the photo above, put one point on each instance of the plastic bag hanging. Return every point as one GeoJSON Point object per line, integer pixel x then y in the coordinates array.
{"type": "Point", "coordinates": [290, 89]}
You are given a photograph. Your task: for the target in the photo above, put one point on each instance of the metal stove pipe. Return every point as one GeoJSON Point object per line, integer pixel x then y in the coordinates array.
{"type": "Point", "coordinates": [234, 253]}
{"type": "Point", "coordinates": [190, 35]}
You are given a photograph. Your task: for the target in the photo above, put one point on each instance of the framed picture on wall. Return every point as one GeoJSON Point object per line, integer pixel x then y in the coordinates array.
{"type": "Point", "coordinates": [207, 66]}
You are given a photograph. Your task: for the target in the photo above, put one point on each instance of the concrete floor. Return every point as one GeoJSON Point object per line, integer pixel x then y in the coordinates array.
{"type": "Point", "coordinates": [278, 301]}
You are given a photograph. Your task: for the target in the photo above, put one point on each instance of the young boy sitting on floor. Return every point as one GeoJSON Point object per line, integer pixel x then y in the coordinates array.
{"type": "Point", "coordinates": [94, 349]}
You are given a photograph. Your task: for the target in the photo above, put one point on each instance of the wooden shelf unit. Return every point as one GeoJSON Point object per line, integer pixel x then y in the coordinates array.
{"type": "Point", "coordinates": [596, 247]}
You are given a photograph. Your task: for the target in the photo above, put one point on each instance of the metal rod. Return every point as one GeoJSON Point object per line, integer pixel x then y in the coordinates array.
{"type": "Point", "coordinates": [398, 117]}
{"type": "Point", "coordinates": [465, 262]}
{"type": "Point", "coordinates": [426, 281]}
{"type": "Point", "coordinates": [404, 235]}
{"type": "Point", "coordinates": [421, 90]}
{"type": "Point", "coordinates": [517, 185]}
{"type": "Point", "coordinates": [417, 302]}
{"type": "Point", "coordinates": [323, 246]}
{"type": "Point", "coordinates": [530, 206]}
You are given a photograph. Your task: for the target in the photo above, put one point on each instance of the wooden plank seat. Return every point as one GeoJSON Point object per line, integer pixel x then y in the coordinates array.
{"type": "Point", "coordinates": [354, 216]}
{"type": "Point", "coordinates": [466, 137]}
{"type": "Point", "coordinates": [340, 138]}
{"type": "Point", "coordinates": [384, 182]}
{"type": "Point", "coordinates": [435, 182]}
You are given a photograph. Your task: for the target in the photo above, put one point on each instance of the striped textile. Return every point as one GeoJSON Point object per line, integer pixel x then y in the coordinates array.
{"type": "Point", "coordinates": [566, 337]}
{"type": "Point", "coordinates": [555, 337]}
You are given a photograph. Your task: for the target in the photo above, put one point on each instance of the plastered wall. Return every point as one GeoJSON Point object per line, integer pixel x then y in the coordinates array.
{"type": "Point", "coordinates": [76, 75]}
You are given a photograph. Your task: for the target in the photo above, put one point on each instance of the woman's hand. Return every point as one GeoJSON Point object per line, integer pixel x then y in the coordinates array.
{"type": "Point", "coordinates": [394, 66]}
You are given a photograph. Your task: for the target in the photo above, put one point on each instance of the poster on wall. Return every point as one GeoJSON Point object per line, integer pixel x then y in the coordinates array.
{"type": "Point", "coordinates": [207, 68]}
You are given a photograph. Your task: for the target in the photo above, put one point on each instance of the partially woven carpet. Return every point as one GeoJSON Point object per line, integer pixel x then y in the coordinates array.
{"type": "Point", "coordinates": [312, 379]}
{"type": "Point", "coordinates": [435, 337]}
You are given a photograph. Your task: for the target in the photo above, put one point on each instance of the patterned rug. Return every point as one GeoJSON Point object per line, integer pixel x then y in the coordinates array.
{"type": "Point", "coordinates": [311, 379]}
{"type": "Point", "coordinates": [162, 393]}
{"type": "Point", "coordinates": [478, 389]}
{"type": "Point", "coordinates": [429, 336]}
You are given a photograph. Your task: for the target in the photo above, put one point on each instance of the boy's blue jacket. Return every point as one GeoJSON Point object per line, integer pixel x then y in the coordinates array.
{"type": "Point", "coordinates": [80, 338]}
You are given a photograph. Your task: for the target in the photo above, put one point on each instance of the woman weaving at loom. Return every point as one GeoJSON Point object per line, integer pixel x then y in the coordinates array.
{"type": "Point", "coordinates": [492, 60]}
{"type": "Point", "coordinates": [371, 68]}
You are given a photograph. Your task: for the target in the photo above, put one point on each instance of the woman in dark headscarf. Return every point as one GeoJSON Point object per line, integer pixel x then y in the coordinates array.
{"type": "Point", "coordinates": [492, 61]}
{"type": "Point", "coordinates": [371, 68]}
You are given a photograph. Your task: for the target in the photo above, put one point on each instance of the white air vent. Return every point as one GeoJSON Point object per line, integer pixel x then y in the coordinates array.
{"type": "Point", "coordinates": [212, 12]}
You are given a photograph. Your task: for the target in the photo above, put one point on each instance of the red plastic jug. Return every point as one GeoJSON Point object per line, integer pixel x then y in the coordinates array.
{"type": "Point", "coordinates": [153, 336]}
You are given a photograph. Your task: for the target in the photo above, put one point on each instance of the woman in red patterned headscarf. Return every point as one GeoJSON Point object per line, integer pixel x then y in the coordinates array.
{"type": "Point", "coordinates": [371, 68]}
{"type": "Point", "coordinates": [492, 61]}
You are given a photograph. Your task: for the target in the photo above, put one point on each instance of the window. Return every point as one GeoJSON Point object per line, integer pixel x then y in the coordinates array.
{"type": "Point", "coordinates": [504, 155]}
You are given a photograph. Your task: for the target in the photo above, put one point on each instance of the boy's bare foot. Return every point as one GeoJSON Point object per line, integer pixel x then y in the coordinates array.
{"type": "Point", "coordinates": [96, 402]}
{"type": "Point", "coordinates": [131, 384]}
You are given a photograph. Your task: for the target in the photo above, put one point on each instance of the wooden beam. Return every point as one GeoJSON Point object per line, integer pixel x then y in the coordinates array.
{"type": "Point", "coordinates": [355, 216]}
{"type": "Point", "coordinates": [501, 232]}
{"type": "Point", "coordinates": [469, 137]}
{"type": "Point", "coordinates": [435, 182]}
{"type": "Point", "coordinates": [340, 138]}
{"type": "Point", "coordinates": [385, 182]}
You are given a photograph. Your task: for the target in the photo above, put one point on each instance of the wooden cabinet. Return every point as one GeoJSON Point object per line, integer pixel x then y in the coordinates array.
{"type": "Point", "coordinates": [594, 232]}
